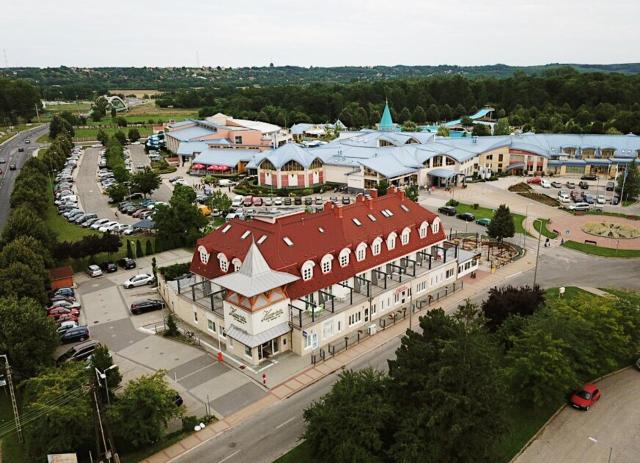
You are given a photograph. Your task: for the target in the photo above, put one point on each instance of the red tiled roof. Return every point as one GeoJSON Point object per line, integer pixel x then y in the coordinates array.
{"type": "Point", "coordinates": [310, 244]}
{"type": "Point", "coordinates": [60, 273]}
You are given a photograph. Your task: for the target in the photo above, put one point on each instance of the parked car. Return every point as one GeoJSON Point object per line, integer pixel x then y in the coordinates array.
{"type": "Point", "coordinates": [94, 271]}
{"type": "Point", "coordinates": [257, 201]}
{"type": "Point", "coordinates": [589, 199]}
{"type": "Point", "coordinates": [127, 263]}
{"type": "Point", "coordinates": [615, 200]}
{"type": "Point", "coordinates": [247, 201]}
{"type": "Point", "coordinates": [466, 216]}
{"type": "Point", "coordinates": [109, 267]}
{"type": "Point", "coordinates": [78, 352]}
{"type": "Point", "coordinates": [308, 201]}
{"type": "Point", "coordinates": [297, 201]}
{"type": "Point", "coordinates": [579, 207]}
{"type": "Point", "coordinates": [610, 186]}
{"type": "Point", "coordinates": [146, 305]}
{"type": "Point", "coordinates": [484, 222]}
{"type": "Point", "coordinates": [66, 317]}
{"type": "Point", "coordinates": [107, 226]}
{"type": "Point", "coordinates": [66, 304]}
{"type": "Point", "coordinates": [57, 312]}
{"type": "Point", "coordinates": [138, 280]}
{"type": "Point", "coordinates": [346, 200]}
{"type": "Point", "coordinates": [545, 183]}
{"type": "Point", "coordinates": [12, 166]}
{"type": "Point", "coordinates": [600, 199]}
{"type": "Point", "coordinates": [99, 223]}
{"type": "Point", "coordinates": [268, 202]}
{"type": "Point", "coordinates": [447, 210]}
{"type": "Point", "coordinates": [556, 184]}
{"type": "Point", "coordinates": [277, 202]}
{"type": "Point", "coordinates": [589, 177]}
{"type": "Point", "coordinates": [584, 398]}
{"type": "Point", "coordinates": [65, 291]}
{"type": "Point", "coordinates": [75, 334]}
{"type": "Point", "coordinates": [584, 185]}
{"type": "Point", "coordinates": [287, 201]}
{"type": "Point", "coordinates": [64, 326]}
{"type": "Point", "coordinates": [564, 197]}
{"type": "Point", "coordinates": [318, 201]}
{"type": "Point", "coordinates": [534, 180]}
{"type": "Point", "coordinates": [61, 297]}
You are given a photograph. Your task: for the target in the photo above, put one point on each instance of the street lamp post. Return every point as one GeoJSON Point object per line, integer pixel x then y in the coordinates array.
{"type": "Point", "coordinates": [535, 270]}
{"type": "Point", "coordinates": [102, 375]}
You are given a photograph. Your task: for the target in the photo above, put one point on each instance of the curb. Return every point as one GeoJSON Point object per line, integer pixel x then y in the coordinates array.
{"type": "Point", "coordinates": [557, 412]}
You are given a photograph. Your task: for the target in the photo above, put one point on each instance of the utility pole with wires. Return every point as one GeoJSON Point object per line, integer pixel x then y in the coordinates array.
{"type": "Point", "coordinates": [14, 403]}
{"type": "Point", "coordinates": [104, 438]}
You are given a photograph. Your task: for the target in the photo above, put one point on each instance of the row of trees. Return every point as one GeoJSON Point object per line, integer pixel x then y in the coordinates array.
{"type": "Point", "coordinates": [88, 246]}
{"type": "Point", "coordinates": [450, 391]}
{"type": "Point", "coordinates": [559, 100]}
{"type": "Point", "coordinates": [18, 100]}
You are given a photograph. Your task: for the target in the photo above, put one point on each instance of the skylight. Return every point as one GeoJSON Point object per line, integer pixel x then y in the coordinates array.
{"type": "Point", "coordinates": [371, 217]}
{"type": "Point", "coordinates": [385, 213]}
{"type": "Point", "coordinates": [404, 208]}
{"type": "Point", "coordinates": [389, 213]}
{"type": "Point", "coordinates": [321, 230]}
{"type": "Point", "coordinates": [357, 222]}
{"type": "Point", "coordinates": [287, 241]}
{"type": "Point", "coordinates": [226, 228]}
{"type": "Point", "coordinates": [245, 234]}
{"type": "Point", "coordinates": [262, 239]}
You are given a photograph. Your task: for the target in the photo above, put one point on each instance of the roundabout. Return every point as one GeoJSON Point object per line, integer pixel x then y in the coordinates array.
{"type": "Point", "coordinates": [611, 230]}
{"type": "Point", "coordinates": [599, 230]}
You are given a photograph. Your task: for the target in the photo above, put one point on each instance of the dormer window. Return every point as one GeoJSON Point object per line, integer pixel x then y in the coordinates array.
{"type": "Point", "coordinates": [391, 240]}
{"type": "Point", "coordinates": [361, 252]}
{"type": "Point", "coordinates": [325, 264]}
{"type": "Point", "coordinates": [404, 236]}
{"type": "Point", "coordinates": [344, 257]}
{"type": "Point", "coordinates": [204, 255]}
{"type": "Point", "coordinates": [224, 262]}
{"type": "Point", "coordinates": [307, 270]}
{"type": "Point", "coordinates": [376, 246]}
{"type": "Point", "coordinates": [423, 229]}
{"type": "Point", "coordinates": [435, 226]}
{"type": "Point", "coordinates": [237, 263]}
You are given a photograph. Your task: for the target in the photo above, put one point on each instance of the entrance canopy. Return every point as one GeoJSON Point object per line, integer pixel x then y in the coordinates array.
{"type": "Point", "coordinates": [516, 165]}
{"type": "Point", "coordinates": [260, 338]}
{"type": "Point", "coordinates": [443, 173]}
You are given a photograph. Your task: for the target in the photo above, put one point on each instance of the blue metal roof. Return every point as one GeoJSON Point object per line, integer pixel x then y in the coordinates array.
{"type": "Point", "coordinates": [386, 123]}
{"type": "Point", "coordinates": [442, 172]}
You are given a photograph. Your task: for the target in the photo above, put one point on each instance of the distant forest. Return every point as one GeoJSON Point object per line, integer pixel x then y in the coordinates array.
{"type": "Point", "coordinates": [71, 83]}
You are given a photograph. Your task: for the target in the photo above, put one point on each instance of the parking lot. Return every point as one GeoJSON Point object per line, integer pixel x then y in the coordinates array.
{"type": "Point", "coordinates": [194, 373]}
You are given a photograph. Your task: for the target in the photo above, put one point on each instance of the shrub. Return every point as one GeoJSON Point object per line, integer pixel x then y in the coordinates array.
{"type": "Point", "coordinates": [172, 326]}
{"type": "Point", "coordinates": [139, 252]}
{"type": "Point", "coordinates": [476, 205]}
{"type": "Point", "coordinates": [148, 249]}
{"type": "Point", "coordinates": [171, 272]}
{"type": "Point", "coordinates": [453, 203]}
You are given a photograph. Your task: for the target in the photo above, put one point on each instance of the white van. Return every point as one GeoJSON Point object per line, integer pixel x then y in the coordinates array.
{"type": "Point", "coordinates": [226, 182]}
{"type": "Point", "coordinates": [545, 183]}
{"type": "Point", "coordinates": [564, 197]}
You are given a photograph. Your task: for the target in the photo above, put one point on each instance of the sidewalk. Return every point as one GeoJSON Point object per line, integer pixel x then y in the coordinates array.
{"type": "Point", "coordinates": [313, 374]}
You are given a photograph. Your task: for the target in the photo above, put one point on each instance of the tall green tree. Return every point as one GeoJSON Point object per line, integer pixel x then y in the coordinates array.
{"type": "Point", "coordinates": [18, 280]}
{"type": "Point", "coordinates": [145, 181]}
{"type": "Point", "coordinates": [419, 115]}
{"type": "Point", "coordinates": [220, 201]}
{"type": "Point", "coordinates": [481, 130]}
{"type": "Point", "coordinates": [143, 410]}
{"type": "Point", "coordinates": [631, 181]}
{"type": "Point", "coordinates": [447, 390]}
{"type": "Point", "coordinates": [28, 337]}
{"type": "Point", "coordinates": [350, 423]}
{"type": "Point", "coordinates": [506, 301]}
{"type": "Point", "coordinates": [501, 225]}
{"type": "Point", "coordinates": [179, 223]}
{"type": "Point", "coordinates": [102, 360]}
{"type": "Point", "coordinates": [133, 134]}
{"type": "Point", "coordinates": [60, 125]}
{"type": "Point", "coordinates": [102, 137]}
{"type": "Point", "coordinates": [433, 113]}
{"type": "Point", "coordinates": [121, 137]}
{"type": "Point", "coordinates": [383, 186]}
{"type": "Point", "coordinates": [502, 127]}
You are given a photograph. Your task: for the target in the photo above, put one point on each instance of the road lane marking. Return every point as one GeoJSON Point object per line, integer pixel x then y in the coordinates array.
{"type": "Point", "coordinates": [286, 422]}
{"type": "Point", "coordinates": [229, 456]}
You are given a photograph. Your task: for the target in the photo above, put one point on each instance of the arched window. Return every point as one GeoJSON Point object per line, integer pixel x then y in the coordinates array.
{"type": "Point", "coordinates": [435, 225]}
{"type": "Point", "coordinates": [423, 229]}
{"type": "Point", "coordinates": [267, 165]}
{"type": "Point", "coordinates": [307, 270]}
{"type": "Point", "coordinates": [361, 252]}
{"type": "Point", "coordinates": [344, 257]}
{"type": "Point", "coordinates": [237, 263]}
{"type": "Point", "coordinates": [376, 246]}
{"type": "Point", "coordinates": [404, 236]}
{"type": "Point", "coordinates": [316, 164]}
{"type": "Point", "coordinates": [325, 263]}
{"type": "Point", "coordinates": [292, 165]}
{"type": "Point", "coordinates": [224, 262]}
{"type": "Point", "coordinates": [204, 255]}
{"type": "Point", "coordinates": [391, 240]}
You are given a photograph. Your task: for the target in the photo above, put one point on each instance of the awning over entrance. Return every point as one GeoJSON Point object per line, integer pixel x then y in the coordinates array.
{"type": "Point", "coordinates": [259, 339]}
{"type": "Point", "coordinates": [515, 165]}
{"type": "Point", "coordinates": [443, 173]}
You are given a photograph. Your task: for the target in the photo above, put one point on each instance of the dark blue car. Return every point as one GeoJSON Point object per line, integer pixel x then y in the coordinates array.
{"type": "Point", "coordinates": [77, 333]}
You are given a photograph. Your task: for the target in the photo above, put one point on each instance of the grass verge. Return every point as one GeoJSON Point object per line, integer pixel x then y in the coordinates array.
{"type": "Point", "coordinates": [299, 454]}
{"type": "Point", "coordinates": [542, 227]}
{"type": "Point", "coordinates": [600, 251]}
{"type": "Point", "coordinates": [92, 132]}
{"type": "Point", "coordinates": [486, 213]}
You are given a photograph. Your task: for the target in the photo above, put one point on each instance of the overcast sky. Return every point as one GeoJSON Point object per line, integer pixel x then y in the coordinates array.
{"type": "Point", "coordinates": [319, 33]}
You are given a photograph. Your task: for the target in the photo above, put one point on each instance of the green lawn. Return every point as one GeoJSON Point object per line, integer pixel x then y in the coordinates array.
{"type": "Point", "coordinates": [600, 251]}
{"type": "Point", "coordinates": [7, 132]}
{"type": "Point", "coordinates": [299, 454]}
{"type": "Point", "coordinates": [544, 230]}
{"type": "Point", "coordinates": [569, 292]}
{"type": "Point", "coordinates": [486, 213]}
{"type": "Point", "coordinates": [93, 131]}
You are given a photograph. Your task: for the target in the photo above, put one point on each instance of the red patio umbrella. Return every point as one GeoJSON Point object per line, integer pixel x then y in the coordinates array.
{"type": "Point", "coordinates": [212, 167]}
{"type": "Point", "coordinates": [221, 168]}
{"type": "Point", "coordinates": [197, 166]}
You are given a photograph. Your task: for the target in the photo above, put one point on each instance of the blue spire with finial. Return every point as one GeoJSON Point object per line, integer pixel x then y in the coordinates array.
{"type": "Point", "coordinates": [386, 123]}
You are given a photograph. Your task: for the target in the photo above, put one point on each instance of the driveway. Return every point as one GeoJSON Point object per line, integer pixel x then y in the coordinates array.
{"type": "Point", "coordinates": [140, 158]}
{"type": "Point", "coordinates": [194, 373]}
{"type": "Point", "coordinates": [608, 432]}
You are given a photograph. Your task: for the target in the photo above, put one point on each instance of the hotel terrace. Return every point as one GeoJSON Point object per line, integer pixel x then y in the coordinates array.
{"type": "Point", "coordinates": [299, 282]}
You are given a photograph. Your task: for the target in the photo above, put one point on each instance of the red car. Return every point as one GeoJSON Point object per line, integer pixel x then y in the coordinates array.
{"type": "Point", "coordinates": [67, 317]}
{"type": "Point", "coordinates": [534, 180]}
{"type": "Point", "coordinates": [585, 397]}
{"type": "Point", "coordinates": [257, 201]}
{"type": "Point", "coordinates": [57, 312]}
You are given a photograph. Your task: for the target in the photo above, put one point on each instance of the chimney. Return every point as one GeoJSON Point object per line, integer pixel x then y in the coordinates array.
{"type": "Point", "coordinates": [328, 206]}
{"type": "Point", "coordinates": [369, 203]}
{"type": "Point", "coordinates": [399, 193]}
{"type": "Point", "coordinates": [338, 211]}
{"type": "Point", "coordinates": [373, 193]}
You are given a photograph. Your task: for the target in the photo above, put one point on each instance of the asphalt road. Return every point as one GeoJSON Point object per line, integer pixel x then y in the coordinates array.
{"type": "Point", "coordinates": [9, 152]}
{"type": "Point", "coordinates": [277, 429]}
